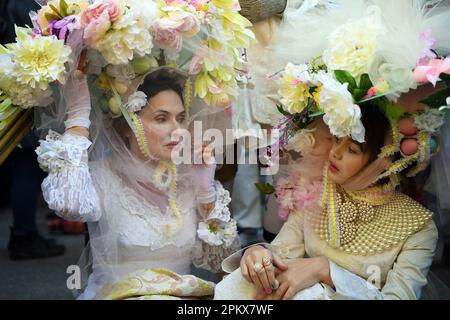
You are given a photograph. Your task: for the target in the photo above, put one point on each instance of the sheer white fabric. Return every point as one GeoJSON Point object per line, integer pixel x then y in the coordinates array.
{"type": "Point", "coordinates": [128, 232]}
{"type": "Point", "coordinates": [68, 189]}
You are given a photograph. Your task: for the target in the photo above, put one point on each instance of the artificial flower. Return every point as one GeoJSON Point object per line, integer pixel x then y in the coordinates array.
{"type": "Point", "coordinates": [296, 193]}
{"type": "Point", "coordinates": [181, 18]}
{"type": "Point", "coordinates": [430, 121]}
{"type": "Point", "coordinates": [57, 10]}
{"type": "Point", "coordinates": [302, 141]}
{"type": "Point", "coordinates": [136, 101]}
{"type": "Point", "coordinates": [62, 28]}
{"type": "Point", "coordinates": [432, 71]}
{"type": "Point", "coordinates": [167, 38]}
{"type": "Point", "coordinates": [96, 20]}
{"type": "Point", "coordinates": [25, 96]}
{"type": "Point", "coordinates": [217, 233]}
{"type": "Point", "coordinates": [380, 88]}
{"type": "Point", "coordinates": [197, 60]}
{"type": "Point", "coordinates": [430, 43]}
{"type": "Point", "coordinates": [146, 12]}
{"type": "Point", "coordinates": [127, 37]}
{"type": "Point", "coordinates": [341, 114]}
{"type": "Point", "coordinates": [38, 61]}
{"type": "Point", "coordinates": [295, 88]}
{"type": "Point", "coordinates": [352, 47]}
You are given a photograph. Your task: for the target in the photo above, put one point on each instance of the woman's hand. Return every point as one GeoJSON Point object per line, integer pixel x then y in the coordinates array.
{"type": "Point", "coordinates": [203, 175]}
{"type": "Point", "coordinates": [300, 275]}
{"type": "Point", "coordinates": [258, 266]}
{"type": "Point", "coordinates": [76, 94]}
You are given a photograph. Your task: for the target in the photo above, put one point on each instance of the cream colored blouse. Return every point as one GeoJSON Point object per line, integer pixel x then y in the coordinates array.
{"type": "Point", "coordinates": [398, 273]}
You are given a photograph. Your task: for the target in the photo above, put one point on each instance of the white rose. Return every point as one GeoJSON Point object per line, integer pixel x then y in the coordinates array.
{"type": "Point", "coordinates": [127, 37]}
{"type": "Point", "coordinates": [302, 141]}
{"type": "Point", "coordinates": [352, 46]}
{"type": "Point", "coordinates": [342, 116]}
{"type": "Point", "coordinates": [136, 101]}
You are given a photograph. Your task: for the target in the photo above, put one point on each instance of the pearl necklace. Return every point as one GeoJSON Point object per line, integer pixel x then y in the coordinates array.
{"type": "Point", "coordinates": [165, 169]}
{"type": "Point", "coordinates": [368, 222]}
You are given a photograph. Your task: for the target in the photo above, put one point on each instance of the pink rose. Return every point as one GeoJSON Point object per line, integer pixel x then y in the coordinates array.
{"type": "Point", "coordinates": [167, 38]}
{"type": "Point", "coordinates": [190, 26]}
{"type": "Point", "coordinates": [432, 71]}
{"type": "Point", "coordinates": [371, 93]}
{"type": "Point", "coordinates": [197, 60]}
{"type": "Point", "coordinates": [97, 18]}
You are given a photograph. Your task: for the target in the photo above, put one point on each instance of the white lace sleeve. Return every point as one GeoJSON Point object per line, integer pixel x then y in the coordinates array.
{"type": "Point", "coordinates": [218, 237]}
{"type": "Point", "coordinates": [68, 188]}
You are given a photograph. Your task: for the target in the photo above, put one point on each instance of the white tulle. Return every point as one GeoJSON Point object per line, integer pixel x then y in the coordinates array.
{"type": "Point", "coordinates": [128, 230]}
{"type": "Point", "coordinates": [305, 32]}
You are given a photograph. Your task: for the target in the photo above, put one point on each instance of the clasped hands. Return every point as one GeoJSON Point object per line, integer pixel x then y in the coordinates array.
{"type": "Point", "coordinates": [278, 280]}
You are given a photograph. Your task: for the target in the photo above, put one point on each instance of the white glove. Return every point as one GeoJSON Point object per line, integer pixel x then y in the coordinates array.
{"type": "Point", "coordinates": [78, 99]}
{"type": "Point", "coordinates": [204, 179]}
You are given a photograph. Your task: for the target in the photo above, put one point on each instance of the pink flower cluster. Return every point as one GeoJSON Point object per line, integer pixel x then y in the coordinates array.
{"type": "Point", "coordinates": [97, 19]}
{"type": "Point", "coordinates": [178, 21]}
{"type": "Point", "coordinates": [432, 71]}
{"type": "Point", "coordinates": [296, 193]}
{"type": "Point", "coordinates": [430, 44]}
{"type": "Point", "coordinates": [197, 60]}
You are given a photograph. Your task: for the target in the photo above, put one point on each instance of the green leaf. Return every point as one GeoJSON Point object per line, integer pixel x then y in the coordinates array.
{"type": "Point", "coordinates": [56, 12]}
{"type": "Point", "coordinates": [358, 94]}
{"type": "Point", "coordinates": [265, 188]}
{"type": "Point", "coordinates": [392, 111]}
{"type": "Point", "coordinates": [5, 104]}
{"type": "Point", "coordinates": [283, 112]}
{"type": "Point", "coordinates": [437, 99]}
{"type": "Point", "coordinates": [365, 83]}
{"type": "Point", "coordinates": [63, 7]}
{"type": "Point", "coordinates": [345, 77]}
{"type": "Point", "coordinates": [21, 33]}
{"type": "Point", "coordinates": [446, 78]}
{"type": "Point", "coordinates": [316, 114]}
{"type": "Point", "coordinates": [50, 16]}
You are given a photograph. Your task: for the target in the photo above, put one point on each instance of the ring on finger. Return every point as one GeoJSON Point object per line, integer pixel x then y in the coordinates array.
{"type": "Point", "coordinates": [267, 261]}
{"type": "Point", "coordinates": [258, 267]}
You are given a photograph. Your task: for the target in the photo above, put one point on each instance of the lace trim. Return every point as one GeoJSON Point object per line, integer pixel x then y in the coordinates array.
{"type": "Point", "coordinates": [57, 151]}
{"type": "Point", "coordinates": [218, 235]}
{"type": "Point", "coordinates": [68, 189]}
{"type": "Point", "coordinates": [221, 210]}
{"type": "Point", "coordinates": [144, 224]}
{"type": "Point", "coordinates": [210, 258]}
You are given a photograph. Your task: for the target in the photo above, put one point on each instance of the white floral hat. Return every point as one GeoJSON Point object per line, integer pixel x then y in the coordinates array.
{"type": "Point", "coordinates": [342, 54]}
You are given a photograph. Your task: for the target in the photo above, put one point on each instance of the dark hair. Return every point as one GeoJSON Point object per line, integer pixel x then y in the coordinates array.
{"type": "Point", "coordinates": [377, 128]}
{"type": "Point", "coordinates": [154, 83]}
{"type": "Point", "coordinates": [162, 80]}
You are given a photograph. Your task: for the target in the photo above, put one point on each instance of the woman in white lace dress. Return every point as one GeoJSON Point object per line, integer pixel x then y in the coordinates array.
{"type": "Point", "coordinates": [148, 219]}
